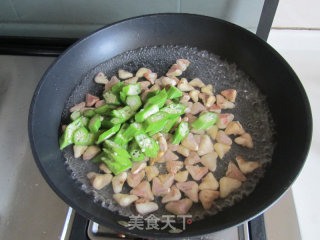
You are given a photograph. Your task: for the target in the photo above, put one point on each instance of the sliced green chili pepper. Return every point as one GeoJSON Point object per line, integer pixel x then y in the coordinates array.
{"type": "Point", "coordinates": [156, 131]}
{"type": "Point", "coordinates": [117, 155]}
{"type": "Point", "coordinates": [80, 136]}
{"type": "Point", "coordinates": [116, 148]}
{"type": "Point", "coordinates": [169, 125]}
{"type": "Point", "coordinates": [116, 164]}
{"type": "Point", "coordinates": [173, 92]}
{"type": "Point", "coordinates": [76, 114]}
{"type": "Point", "coordinates": [181, 132]}
{"type": "Point", "coordinates": [89, 113]}
{"type": "Point", "coordinates": [95, 123]}
{"type": "Point", "coordinates": [131, 120]}
{"type": "Point", "coordinates": [91, 139]}
{"type": "Point", "coordinates": [99, 157]}
{"type": "Point", "coordinates": [147, 145]}
{"type": "Point", "coordinates": [135, 152]}
{"type": "Point", "coordinates": [176, 100]}
{"type": "Point", "coordinates": [110, 122]}
{"type": "Point", "coordinates": [85, 121]}
{"type": "Point", "coordinates": [132, 89]}
{"type": "Point", "coordinates": [145, 113]}
{"type": "Point", "coordinates": [123, 97]}
{"type": "Point", "coordinates": [133, 130]}
{"type": "Point", "coordinates": [152, 94]}
{"type": "Point", "coordinates": [105, 108]}
{"type": "Point", "coordinates": [67, 137]}
{"type": "Point", "coordinates": [134, 102]}
{"type": "Point", "coordinates": [174, 109]}
{"type": "Point", "coordinates": [159, 99]}
{"type": "Point", "coordinates": [105, 123]}
{"type": "Point", "coordinates": [205, 121]}
{"type": "Point", "coordinates": [119, 138]}
{"type": "Point", "coordinates": [109, 133]}
{"type": "Point", "coordinates": [155, 122]}
{"type": "Point", "coordinates": [116, 121]}
{"type": "Point", "coordinates": [116, 89]}
{"type": "Point", "coordinates": [123, 113]}
{"type": "Point", "coordinates": [125, 146]}
{"type": "Point", "coordinates": [111, 98]}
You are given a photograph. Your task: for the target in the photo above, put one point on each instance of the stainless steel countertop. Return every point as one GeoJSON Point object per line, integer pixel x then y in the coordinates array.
{"type": "Point", "coordinates": [29, 209]}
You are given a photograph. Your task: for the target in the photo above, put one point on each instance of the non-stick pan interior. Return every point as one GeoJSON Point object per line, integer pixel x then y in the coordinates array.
{"type": "Point", "coordinates": [251, 110]}
{"type": "Point", "coordinates": [276, 80]}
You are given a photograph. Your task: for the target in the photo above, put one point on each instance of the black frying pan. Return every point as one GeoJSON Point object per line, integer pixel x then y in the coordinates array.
{"type": "Point", "coordinates": [286, 98]}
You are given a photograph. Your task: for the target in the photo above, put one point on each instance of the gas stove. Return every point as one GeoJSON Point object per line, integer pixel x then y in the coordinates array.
{"type": "Point", "coordinates": [79, 228]}
{"type": "Point", "coordinates": [277, 223]}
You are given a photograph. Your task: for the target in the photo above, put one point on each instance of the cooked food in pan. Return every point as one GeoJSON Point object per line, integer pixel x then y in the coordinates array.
{"type": "Point", "coordinates": [163, 136]}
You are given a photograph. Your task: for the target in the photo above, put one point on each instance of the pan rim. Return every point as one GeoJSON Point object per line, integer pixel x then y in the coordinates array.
{"type": "Point", "coordinates": [250, 214]}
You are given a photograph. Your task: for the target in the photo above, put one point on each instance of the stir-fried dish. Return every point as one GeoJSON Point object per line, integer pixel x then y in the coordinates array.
{"type": "Point", "coordinates": [176, 123]}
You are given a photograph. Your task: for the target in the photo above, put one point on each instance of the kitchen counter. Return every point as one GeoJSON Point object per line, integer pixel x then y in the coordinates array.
{"type": "Point", "coordinates": [29, 209]}
{"type": "Point", "coordinates": [302, 51]}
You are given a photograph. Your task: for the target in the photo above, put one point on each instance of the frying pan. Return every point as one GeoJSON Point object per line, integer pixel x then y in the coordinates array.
{"type": "Point", "coordinates": [284, 93]}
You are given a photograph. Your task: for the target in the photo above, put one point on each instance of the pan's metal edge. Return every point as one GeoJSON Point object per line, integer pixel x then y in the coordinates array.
{"type": "Point", "coordinates": [272, 200]}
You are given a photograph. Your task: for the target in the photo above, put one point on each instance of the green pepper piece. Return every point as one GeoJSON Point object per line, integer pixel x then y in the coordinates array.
{"type": "Point", "coordinates": [89, 113]}
{"type": "Point", "coordinates": [116, 121]}
{"type": "Point", "coordinates": [118, 153]}
{"type": "Point", "coordinates": [95, 123]}
{"type": "Point", "coordinates": [169, 125]}
{"type": "Point", "coordinates": [113, 147]}
{"type": "Point", "coordinates": [91, 139]}
{"type": "Point", "coordinates": [159, 99]}
{"type": "Point", "coordinates": [131, 120]}
{"type": "Point", "coordinates": [117, 164]}
{"type": "Point", "coordinates": [181, 132]}
{"type": "Point", "coordinates": [105, 108]}
{"type": "Point", "coordinates": [116, 89]}
{"type": "Point", "coordinates": [132, 89]}
{"type": "Point", "coordinates": [173, 92]}
{"type": "Point", "coordinates": [109, 133]}
{"type": "Point", "coordinates": [105, 123]}
{"type": "Point", "coordinates": [134, 102]}
{"type": "Point", "coordinates": [67, 137]}
{"type": "Point", "coordinates": [99, 157]}
{"type": "Point", "coordinates": [135, 152]}
{"type": "Point", "coordinates": [174, 109]}
{"type": "Point", "coordinates": [125, 146]}
{"type": "Point", "coordinates": [123, 97]}
{"type": "Point", "coordinates": [176, 100]}
{"type": "Point", "coordinates": [115, 157]}
{"type": "Point", "coordinates": [119, 138]}
{"type": "Point", "coordinates": [124, 113]}
{"type": "Point", "coordinates": [205, 121]}
{"type": "Point", "coordinates": [76, 114]}
{"type": "Point", "coordinates": [80, 136]}
{"type": "Point", "coordinates": [65, 140]}
{"type": "Point", "coordinates": [159, 129]}
{"type": "Point", "coordinates": [85, 121]}
{"type": "Point", "coordinates": [147, 145]}
{"type": "Point", "coordinates": [133, 130]}
{"type": "Point", "coordinates": [137, 155]}
{"type": "Point", "coordinates": [145, 113]}
{"type": "Point", "coordinates": [152, 94]}
{"type": "Point", "coordinates": [111, 98]}
{"type": "Point", "coordinates": [155, 122]}
{"type": "Point", "coordinates": [110, 122]}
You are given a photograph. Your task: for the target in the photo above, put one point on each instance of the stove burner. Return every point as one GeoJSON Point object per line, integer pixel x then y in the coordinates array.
{"type": "Point", "coordinates": [79, 228]}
